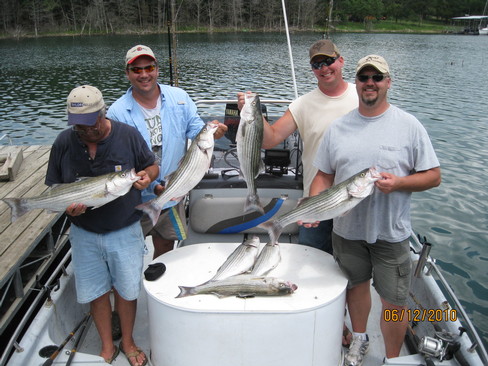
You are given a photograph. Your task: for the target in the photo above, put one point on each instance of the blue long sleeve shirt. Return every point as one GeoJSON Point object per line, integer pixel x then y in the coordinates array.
{"type": "Point", "coordinates": [179, 121]}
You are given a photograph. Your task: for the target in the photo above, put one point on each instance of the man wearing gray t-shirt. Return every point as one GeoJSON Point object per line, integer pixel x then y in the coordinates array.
{"type": "Point", "coordinates": [371, 241]}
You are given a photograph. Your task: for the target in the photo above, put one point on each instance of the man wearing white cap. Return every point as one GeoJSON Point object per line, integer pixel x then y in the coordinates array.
{"type": "Point", "coordinates": [371, 241]}
{"type": "Point", "coordinates": [166, 117]}
{"type": "Point", "coordinates": [107, 242]}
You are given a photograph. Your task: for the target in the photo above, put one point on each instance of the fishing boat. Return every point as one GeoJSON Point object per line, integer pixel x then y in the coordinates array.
{"type": "Point", "coordinates": [303, 328]}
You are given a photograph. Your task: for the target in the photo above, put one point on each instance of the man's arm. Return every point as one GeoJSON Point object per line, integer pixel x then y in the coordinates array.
{"type": "Point", "coordinates": [416, 182]}
{"type": "Point", "coordinates": [149, 174]}
{"type": "Point", "coordinates": [320, 183]}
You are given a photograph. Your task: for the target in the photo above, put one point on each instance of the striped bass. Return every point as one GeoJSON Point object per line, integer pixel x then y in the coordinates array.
{"type": "Point", "coordinates": [249, 140]}
{"type": "Point", "coordinates": [240, 260]}
{"type": "Point", "coordinates": [268, 259]}
{"type": "Point", "coordinates": [333, 202]}
{"type": "Point", "coordinates": [241, 286]}
{"type": "Point", "coordinates": [189, 173]}
{"type": "Point", "coordinates": [90, 191]}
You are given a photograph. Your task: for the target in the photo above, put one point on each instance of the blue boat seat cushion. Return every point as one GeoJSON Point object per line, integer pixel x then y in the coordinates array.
{"type": "Point", "coordinates": [225, 215]}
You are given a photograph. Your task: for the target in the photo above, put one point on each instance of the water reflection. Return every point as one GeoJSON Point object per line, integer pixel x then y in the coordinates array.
{"type": "Point", "coordinates": [438, 78]}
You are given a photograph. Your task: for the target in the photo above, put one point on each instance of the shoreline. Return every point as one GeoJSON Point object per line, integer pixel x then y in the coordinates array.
{"type": "Point", "coordinates": [226, 30]}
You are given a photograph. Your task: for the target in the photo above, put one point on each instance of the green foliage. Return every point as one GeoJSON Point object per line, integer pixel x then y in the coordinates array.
{"type": "Point", "coordinates": [37, 17]}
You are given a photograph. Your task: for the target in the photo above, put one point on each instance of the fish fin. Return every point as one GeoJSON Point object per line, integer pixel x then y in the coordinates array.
{"type": "Point", "coordinates": [273, 228]}
{"type": "Point", "coordinates": [262, 168]}
{"type": "Point", "coordinates": [253, 204]}
{"type": "Point", "coordinates": [16, 206]}
{"type": "Point", "coordinates": [245, 296]}
{"type": "Point", "coordinates": [184, 291]}
{"type": "Point", "coordinates": [151, 210]}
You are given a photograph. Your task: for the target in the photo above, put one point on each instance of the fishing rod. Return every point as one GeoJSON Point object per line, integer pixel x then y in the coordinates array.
{"type": "Point", "coordinates": [50, 360]}
{"type": "Point", "coordinates": [75, 347]}
{"type": "Point", "coordinates": [169, 15]}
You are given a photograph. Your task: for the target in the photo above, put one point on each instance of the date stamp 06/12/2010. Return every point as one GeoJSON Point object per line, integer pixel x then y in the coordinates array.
{"type": "Point", "coordinates": [420, 315]}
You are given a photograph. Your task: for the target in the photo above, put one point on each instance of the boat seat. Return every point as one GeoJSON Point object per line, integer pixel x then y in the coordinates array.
{"type": "Point", "coordinates": [224, 215]}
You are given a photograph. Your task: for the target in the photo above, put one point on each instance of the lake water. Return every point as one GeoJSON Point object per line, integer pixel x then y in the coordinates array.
{"type": "Point", "coordinates": [441, 79]}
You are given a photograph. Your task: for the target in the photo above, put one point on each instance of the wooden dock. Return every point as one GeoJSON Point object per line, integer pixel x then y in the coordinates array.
{"type": "Point", "coordinates": [28, 246]}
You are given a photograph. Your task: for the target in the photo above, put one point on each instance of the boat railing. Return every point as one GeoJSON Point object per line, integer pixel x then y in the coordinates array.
{"type": "Point", "coordinates": [431, 266]}
{"type": "Point", "coordinates": [33, 308]}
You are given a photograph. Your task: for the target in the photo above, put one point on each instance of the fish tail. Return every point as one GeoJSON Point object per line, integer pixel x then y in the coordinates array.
{"type": "Point", "coordinates": [184, 291]}
{"type": "Point", "coordinates": [151, 210]}
{"type": "Point", "coordinates": [253, 204]}
{"type": "Point", "coordinates": [273, 228]}
{"type": "Point", "coordinates": [17, 207]}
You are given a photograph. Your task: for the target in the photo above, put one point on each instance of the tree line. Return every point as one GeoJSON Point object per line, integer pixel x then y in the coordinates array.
{"type": "Point", "coordinates": [36, 17]}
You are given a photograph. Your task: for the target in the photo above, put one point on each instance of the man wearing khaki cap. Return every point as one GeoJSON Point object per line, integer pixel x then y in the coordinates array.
{"type": "Point", "coordinates": [166, 117]}
{"type": "Point", "coordinates": [371, 241]}
{"type": "Point", "coordinates": [107, 242]}
{"type": "Point", "coordinates": [311, 114]}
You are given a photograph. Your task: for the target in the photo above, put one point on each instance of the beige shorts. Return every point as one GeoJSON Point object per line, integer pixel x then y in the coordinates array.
{"type": "Point", "coordinates": [171, 223]}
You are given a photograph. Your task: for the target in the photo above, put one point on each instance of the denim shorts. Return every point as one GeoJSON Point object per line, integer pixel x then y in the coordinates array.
{"type": "Point", "coordinates": [318, 237]}
{"type": "Point", "coordinates": [103, 261]}
{"type": "Point", "coordinates": [387, 263]}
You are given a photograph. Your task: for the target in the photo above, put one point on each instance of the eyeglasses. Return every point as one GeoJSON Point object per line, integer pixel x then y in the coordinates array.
{"type": "Point", "coordinates": [376, 77]}
{"type": "Point", "coordinates": [138, 70]}
{"type": "Point", "coordinates": [85, 130]}
{"type": "Point", "coordinates": [327, 62]}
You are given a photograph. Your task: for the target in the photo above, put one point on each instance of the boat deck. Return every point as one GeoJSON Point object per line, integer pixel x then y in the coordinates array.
{"type": "Point", "coordinates": [28, 246]}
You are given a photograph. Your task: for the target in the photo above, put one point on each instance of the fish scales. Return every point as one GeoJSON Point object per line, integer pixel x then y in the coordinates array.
{"type": "Point", "coordinates": [268, 259]}
{"type": "Point", "coordinates": [90, 191]}
{"type": "Point", "coordinates": [189, 173]}
{"type": "Point", "coordinates": [333, 202]}
{"type": "Point", "coordinates": [240, 260]}
{"type": "Point", "coordinates": [241, 285]}
{"type": "Point", "coordinates": [249, 142]}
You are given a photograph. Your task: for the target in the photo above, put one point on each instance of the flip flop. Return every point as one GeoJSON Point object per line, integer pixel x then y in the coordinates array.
{"type": "Point", "coordinates": [114, 356]}
{"type": "Point", "coordinates": [134, 354]}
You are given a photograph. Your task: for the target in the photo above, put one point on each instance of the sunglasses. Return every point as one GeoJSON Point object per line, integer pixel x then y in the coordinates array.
{"type": "Point", "coordinates": [138, 70]}
{"type": "Point", "coordinates": [376, 77]}
{"type": "Point", "coordinates": [327, 62]}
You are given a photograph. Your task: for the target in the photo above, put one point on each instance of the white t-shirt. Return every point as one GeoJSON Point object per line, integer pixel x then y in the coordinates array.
{"type": "Point", "coordinates": [152, 117]}
{"type": "Point", "coordinates": [313, 114]}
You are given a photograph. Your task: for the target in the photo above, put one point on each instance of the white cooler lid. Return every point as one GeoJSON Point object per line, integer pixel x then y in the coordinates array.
{"type": "Point", "coordinates": [318, 277]}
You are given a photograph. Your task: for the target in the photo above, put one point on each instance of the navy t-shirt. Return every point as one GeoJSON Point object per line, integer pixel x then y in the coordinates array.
{"type": "Point", "coordinates": [123, 149]}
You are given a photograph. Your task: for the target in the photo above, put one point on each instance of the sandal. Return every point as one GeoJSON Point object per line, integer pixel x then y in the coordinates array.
{"type": "Point", "coordinates": [134, 354]}
{"type": "Point", "coordinates": [114, 356]}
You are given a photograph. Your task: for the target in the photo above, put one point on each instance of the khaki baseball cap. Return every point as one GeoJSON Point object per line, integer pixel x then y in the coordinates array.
{"type": "Point", "coordinates": [137, 51]}
{"type": "Point", "coordinates": [378, 62]}
{"type": "Point", "coordinates": [324, 47]}
{"type": "Point", "coordinates": [84, 104]}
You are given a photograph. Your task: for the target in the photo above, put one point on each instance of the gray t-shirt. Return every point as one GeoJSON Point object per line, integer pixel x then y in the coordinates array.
{"type": "Point", "coordinates": [394, 142]}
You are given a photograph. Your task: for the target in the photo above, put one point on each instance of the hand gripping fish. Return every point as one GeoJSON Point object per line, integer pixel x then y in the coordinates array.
{"type": "Point", "coordinates": [90, 191]}
{"type": "Point", "coordinates": [189, 173]}
{"type": "Point", "coordinates": [333, 202]}
{"type": "Point", "coordinates": [249, 141]}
